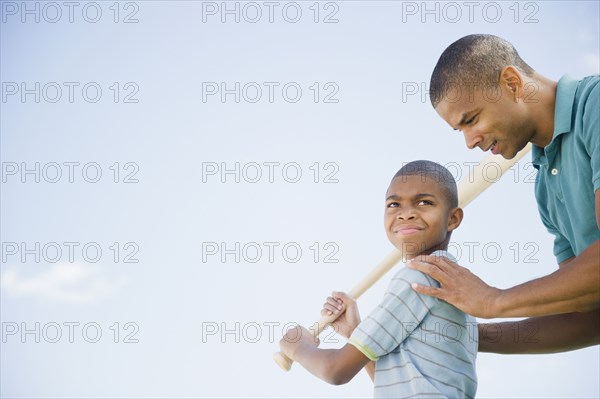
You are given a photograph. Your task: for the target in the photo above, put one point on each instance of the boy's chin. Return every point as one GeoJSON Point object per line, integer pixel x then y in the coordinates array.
{"type": "Point", "coordinates": [411, 249]}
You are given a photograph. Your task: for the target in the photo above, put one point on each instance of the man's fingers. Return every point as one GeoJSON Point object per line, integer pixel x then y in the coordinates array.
{"type": "Point", "coordinates": [431, 270]}
{"type": "Point", "coordinates": [431, 291]}
{"type": "Point", "coordinates": [443, 263]}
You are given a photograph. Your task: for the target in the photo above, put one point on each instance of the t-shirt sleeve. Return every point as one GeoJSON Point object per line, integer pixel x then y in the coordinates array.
{"type": "Point", "coordinates": [591, 131]}
{"type": "Point", "coordinates": [400, 312]}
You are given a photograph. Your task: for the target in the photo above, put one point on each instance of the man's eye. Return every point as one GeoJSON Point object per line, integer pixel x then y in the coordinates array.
{"type": "Point", "coordinates": [470, 121]}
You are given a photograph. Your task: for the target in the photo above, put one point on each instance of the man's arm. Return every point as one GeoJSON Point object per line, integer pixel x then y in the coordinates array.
{"type": "Point", "coordinates": [335, 366]}
{"type": "Point", "coordinates": [570, 289]}
{"type": "Point", "coordinates": [537, 335]}
{"type": "Point", "coordinates": [575, 288]}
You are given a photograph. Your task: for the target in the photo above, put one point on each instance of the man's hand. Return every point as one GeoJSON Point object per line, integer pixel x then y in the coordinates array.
{"type": "Point", "coordinates": [459, 286]}
{"type": "Point", "coordinates": [296, 338]}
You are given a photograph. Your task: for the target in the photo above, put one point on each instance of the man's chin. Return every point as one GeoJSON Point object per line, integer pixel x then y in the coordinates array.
{"type": "Point", "coordinates": [509, 154]}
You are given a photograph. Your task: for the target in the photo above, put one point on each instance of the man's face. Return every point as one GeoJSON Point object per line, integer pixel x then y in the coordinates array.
{"type": "Point", "coordinates": [417, 215]}
{"type": "Point", "coordinates": [489, 118]}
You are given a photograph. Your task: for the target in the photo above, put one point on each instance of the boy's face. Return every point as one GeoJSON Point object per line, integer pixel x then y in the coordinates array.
{"type": "Point", "coordinates": [489, 118]}
{"type": "Point", "coordinates": [417, 216]}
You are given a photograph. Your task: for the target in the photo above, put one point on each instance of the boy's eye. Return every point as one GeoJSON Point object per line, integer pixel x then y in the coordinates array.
{"type": "Point", "coordinates": [425, 202]}
{"type": "Point", "coordinates": [392, 205]}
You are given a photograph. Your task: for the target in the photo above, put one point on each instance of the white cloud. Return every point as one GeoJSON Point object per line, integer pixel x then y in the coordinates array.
{"type": "Point", "coordinates": [63, 282]}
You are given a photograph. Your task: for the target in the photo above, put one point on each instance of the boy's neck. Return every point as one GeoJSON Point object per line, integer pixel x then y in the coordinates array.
{"type": "Point", "coordinates": [429, 251]}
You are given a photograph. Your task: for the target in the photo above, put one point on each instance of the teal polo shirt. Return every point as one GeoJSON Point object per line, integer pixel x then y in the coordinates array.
{"type": "Point", "coordinates": [569, 168]}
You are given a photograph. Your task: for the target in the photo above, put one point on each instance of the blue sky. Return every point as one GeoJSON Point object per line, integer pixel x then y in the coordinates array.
{"type": "Point", "coordinates": [203, 182]}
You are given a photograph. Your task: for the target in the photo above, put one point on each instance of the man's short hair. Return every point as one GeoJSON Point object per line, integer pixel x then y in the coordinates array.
{"type": "Point", "coordinates": [474, 60]}
{"type": "Point", "coordinates": [436, 172]}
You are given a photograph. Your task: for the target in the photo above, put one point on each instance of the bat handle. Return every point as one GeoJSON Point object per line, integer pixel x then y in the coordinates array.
{"type": "Point", "coordinates": [285, 362]}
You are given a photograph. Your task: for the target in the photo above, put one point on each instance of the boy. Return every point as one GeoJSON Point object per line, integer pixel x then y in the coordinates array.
{"type": "Point", "coordinates": [422, 346]}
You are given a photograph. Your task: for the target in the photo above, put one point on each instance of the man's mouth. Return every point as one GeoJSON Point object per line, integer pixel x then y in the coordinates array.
{"type": "Point", "coordinates": [493, 148]}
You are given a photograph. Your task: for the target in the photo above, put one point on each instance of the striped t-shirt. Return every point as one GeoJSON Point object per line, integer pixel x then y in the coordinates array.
{"type": "Point", "coordinates": [424, 347]}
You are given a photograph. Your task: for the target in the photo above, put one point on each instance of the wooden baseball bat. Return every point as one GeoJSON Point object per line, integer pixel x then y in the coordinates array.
{"type": "Point", "coordinates": [468, 189]}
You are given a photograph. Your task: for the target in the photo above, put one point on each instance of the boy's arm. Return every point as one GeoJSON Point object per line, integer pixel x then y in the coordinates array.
{"type": "Point", "coordinates": [338, 366]}
{"type": "Point", "coordinates": [335, 366]}
{"type": "Point", "coordinates": [348, 317]}
{"type": "Point", "coordinates": [399, 313]}
{"type": "Point", "coordinates": [370, 368]}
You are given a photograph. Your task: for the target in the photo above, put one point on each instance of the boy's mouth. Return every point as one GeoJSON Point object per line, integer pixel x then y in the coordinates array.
{"type": "Point", "coordinates": [407, 229]}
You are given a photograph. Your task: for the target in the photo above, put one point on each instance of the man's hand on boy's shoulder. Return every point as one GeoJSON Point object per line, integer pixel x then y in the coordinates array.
{"type": "Point", "coordinates": [459, 286]}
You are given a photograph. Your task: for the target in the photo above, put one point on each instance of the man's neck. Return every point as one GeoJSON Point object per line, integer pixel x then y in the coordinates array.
{"type": "Point", "coordinates": [542, 110]}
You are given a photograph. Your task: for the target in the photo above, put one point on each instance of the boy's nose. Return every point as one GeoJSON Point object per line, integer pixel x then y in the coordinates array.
{"type": "Point", "coordinates": [405, 215]}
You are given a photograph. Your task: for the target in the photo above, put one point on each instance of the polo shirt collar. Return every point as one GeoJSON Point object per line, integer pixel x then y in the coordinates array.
{"type": "Point", "coordinates": [563, 110]}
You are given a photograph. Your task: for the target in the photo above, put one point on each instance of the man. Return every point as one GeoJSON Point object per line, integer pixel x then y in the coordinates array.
{"type": "Point", "coordinates": [482, 87]}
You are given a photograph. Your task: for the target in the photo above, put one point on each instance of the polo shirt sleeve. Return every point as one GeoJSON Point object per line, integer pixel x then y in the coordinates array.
{"type": "Point", "coordinates": [591, 131]}
{"type": "Point", "coordinates": [562, 246]}
{"type": "Point", "coordinates": [400, 312]}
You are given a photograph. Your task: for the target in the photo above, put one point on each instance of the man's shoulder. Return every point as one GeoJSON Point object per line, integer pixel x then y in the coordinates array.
{"type": "Point", "coordinates": [588, 90]}
{"type": "Point", "coordinates": [588, 105]}
{"type": "Point", "coordinates": [591, 80]}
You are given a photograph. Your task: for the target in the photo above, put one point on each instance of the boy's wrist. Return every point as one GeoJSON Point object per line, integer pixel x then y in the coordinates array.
{"type": "Point", "coordinates": [348, 333]}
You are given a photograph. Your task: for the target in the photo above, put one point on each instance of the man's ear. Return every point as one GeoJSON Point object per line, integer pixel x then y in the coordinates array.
{"type": "Point", "coordinates": [512, 81]}
{"type": "Point", "coordinates": [455, 219]}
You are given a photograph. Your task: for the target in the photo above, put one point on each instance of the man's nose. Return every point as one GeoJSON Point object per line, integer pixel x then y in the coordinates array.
{"type": "Point", "coordinates": [472, 139]}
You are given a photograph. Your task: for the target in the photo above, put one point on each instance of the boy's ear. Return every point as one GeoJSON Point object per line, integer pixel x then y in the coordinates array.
{"type": "Point", "coordinates": [455, 219]}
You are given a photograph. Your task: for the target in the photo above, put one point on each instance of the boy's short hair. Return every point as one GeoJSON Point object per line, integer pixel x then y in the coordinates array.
{"type": "Point", "coordinates": [474, 60]}
{"type": "Point", "coordinates": [434, 171]}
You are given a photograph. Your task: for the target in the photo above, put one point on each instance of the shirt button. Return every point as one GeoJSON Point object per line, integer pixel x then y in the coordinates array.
{"type": "Point", "coordinates": [554, 171]}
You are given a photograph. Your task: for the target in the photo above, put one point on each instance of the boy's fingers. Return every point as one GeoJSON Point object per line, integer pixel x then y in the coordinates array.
{"type": "Point", "coordinates": [344, 297]}
{"type": "Point", "coordinates": [334, 302]}
{"type": "Point", "coordinates": [331, 309]}
{"type": "Point", "coordinates": [337, 295]}
{"type": "Point", "coordinates": [325, 312]}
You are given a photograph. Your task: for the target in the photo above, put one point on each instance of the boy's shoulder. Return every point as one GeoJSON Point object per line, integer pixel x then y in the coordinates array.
{"type": "Point", "coordinates": [409, 276]}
